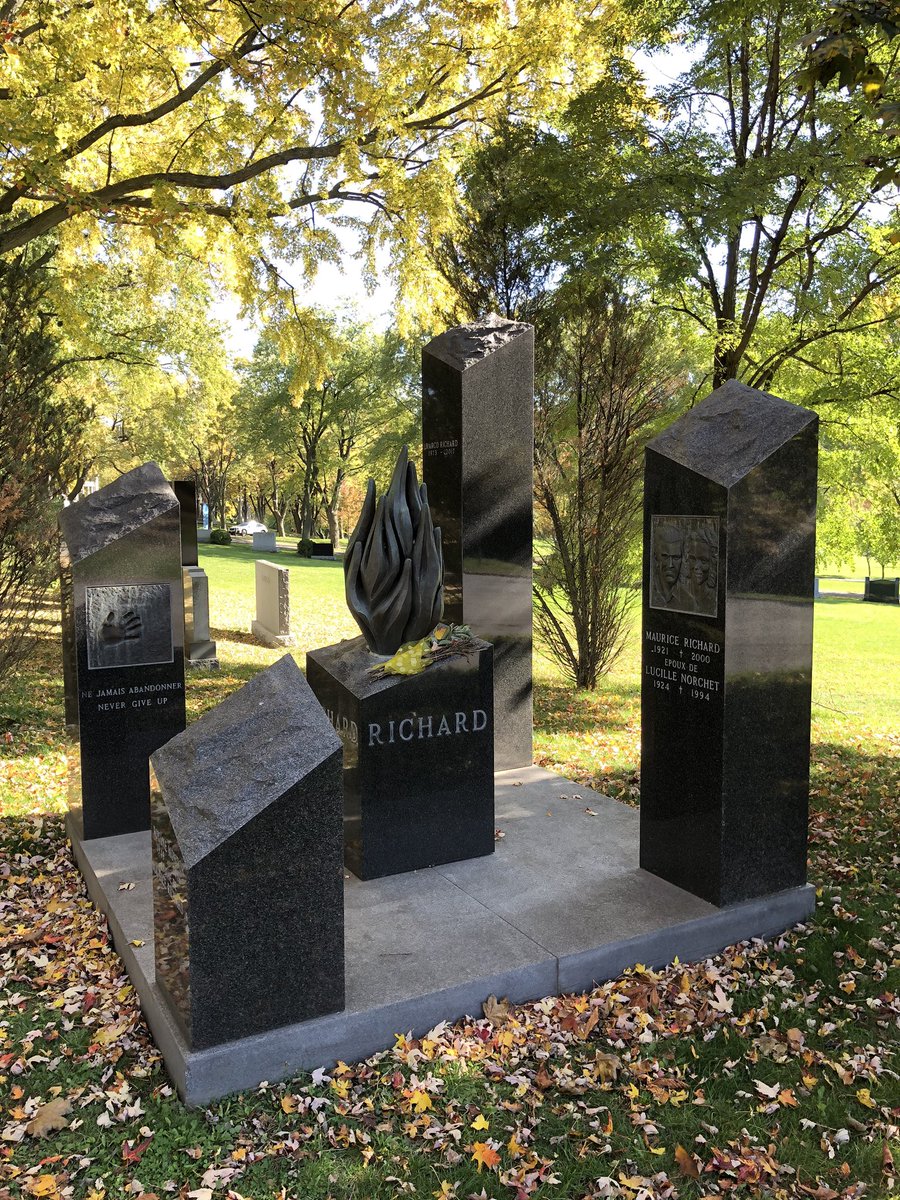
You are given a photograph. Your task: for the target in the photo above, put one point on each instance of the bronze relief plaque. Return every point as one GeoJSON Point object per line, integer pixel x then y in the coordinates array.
{"type": "Point", "coordinates": [684, 568]}
{"type": "Point", "coordinates": [128, 625]}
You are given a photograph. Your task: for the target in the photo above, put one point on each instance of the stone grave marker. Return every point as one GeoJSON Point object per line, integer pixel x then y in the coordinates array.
{"type": "Point", "coordinates": [199, 649]}
{"type": "Point", "coordinates": [123, 660]}
{"type": "Point", "coordinates": [248, 887]}
{"type": "Point", "coordinates": [729, 552]}
{"type": "Point", "coordinates": [882, 591]}
{"type": "Point", "coordinates": [265, 541]}
{"type": "Point", "coordinates": [273, 604]}
{"type": "Point", "coordinates": [477, 464]}
{"type": "Point", "coordinates": [418, 757]}
{"type": "Point", "coordinates": [418, 742]}
{"type": "Point", "coordinates": [186, 491]}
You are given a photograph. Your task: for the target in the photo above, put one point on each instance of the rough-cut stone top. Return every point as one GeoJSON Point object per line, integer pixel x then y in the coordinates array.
{"type": "Point", "coordinates": [730, 432]}
{"type": "Point", "coordinates": [240, 757]}
{"type": "Point", "coordinates": [138, 496]}
{"type": "Point", "coordinates": [466, 345]}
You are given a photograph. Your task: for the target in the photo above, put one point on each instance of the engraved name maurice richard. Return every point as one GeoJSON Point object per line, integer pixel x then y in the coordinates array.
{"type": "Point", "coordinates": [412, 728]}
{"type": "Point", "coordinates": [684, 571]}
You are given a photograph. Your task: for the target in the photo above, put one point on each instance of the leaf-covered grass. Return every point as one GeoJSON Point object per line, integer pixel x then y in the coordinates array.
{"type": "Point", "coordinates": [767, 1070]}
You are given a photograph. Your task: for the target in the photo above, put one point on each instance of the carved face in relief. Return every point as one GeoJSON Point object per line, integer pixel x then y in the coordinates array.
{"type": "Point", "coordinates": [668, 551]}
{"type": "Point", "coordinates": [684, 570]}
{"type": "Point", "coordinates": [699, 561]}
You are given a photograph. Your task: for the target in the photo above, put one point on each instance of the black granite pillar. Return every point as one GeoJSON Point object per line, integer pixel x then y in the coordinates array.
{"type": "Point", "coordinates": [122, 646]}
{"type": "Point", "coordinates": [477, 463]}
{"type": "Point", "coordinates": [248, 878]}
{"type": "Point", "coordinates": [729, 553]}
{"type": "Point", "coordinates": [186, 491]}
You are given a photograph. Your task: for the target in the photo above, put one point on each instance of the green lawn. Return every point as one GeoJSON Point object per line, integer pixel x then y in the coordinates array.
{"type": "Point", "coordinates": [770, 1070]}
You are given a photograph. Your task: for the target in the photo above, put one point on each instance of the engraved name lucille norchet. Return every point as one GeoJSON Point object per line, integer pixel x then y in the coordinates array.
{"type": "Point", "coordinates": [681, 677]}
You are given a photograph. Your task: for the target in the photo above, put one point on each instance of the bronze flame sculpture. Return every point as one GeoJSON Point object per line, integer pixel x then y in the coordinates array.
{"type": "Point", "coordinates": [394, 565]}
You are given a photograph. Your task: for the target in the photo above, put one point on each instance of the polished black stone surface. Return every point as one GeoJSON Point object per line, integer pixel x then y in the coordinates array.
{"type": "Point", "coordinates": [729, 552]}
{"type": "Point", "coordinates": [477, 463]}
{"type": "Point", "coordinates": [123, 660]}
{"type": "Point", "coordinates": [418, 757]}
{"type": "Point", "coordinates": [882, 591]}
{"type": "Point", "coordinates": [186, 491]}
{"type": "Point", "coordinates": [248, 895]}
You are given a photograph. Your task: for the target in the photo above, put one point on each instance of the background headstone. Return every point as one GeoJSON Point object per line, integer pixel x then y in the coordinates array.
{"type": "Point", "coordinates": [882, 591]}
{"type": "Point", "coordinates": [477, 463]}
{"type": "Point", "coordinates": [729, 553]}
{"type": "Point", "coordinates": [273, 604]}
{"type": "Point", "coordinates": [248, 888]}
{"type": "Point", "coordinates": [199, 649]}
{"type": "Point", "coordinates": [265, 541]}
{"type": "Point", "coordinates": [418, 757]}
{"type": "Point", "coordinates": [186, 491]}
{"type": "Point", "coordinates": [122, 646]}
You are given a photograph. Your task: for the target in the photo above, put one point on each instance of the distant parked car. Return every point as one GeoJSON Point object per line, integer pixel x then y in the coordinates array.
{"type": "Point", "coordinates": [248, 527]}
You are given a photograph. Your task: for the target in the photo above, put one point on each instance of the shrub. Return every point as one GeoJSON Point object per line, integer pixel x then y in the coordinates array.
{"type": "Point", "coordinates": [220, 537]}
{"type": "Point", "coordinates": [305, 547]}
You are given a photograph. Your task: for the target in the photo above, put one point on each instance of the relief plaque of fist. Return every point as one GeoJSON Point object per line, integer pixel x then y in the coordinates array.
{"type": "Point", "coordinates": [115, 630]}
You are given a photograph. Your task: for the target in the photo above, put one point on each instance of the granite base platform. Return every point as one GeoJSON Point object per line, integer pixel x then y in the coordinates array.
{"type": "Point", "coordinates": [560, 906]}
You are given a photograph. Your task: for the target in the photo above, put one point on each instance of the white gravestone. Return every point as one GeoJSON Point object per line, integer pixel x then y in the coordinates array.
{"type": "Point", "coordinates": [273, 608]}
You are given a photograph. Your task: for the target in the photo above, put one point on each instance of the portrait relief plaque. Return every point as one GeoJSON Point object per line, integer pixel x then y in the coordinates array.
{"type": "Point", "coordinates": [129, 625]}
{"type": "Point", "coordinates": [684, 571]}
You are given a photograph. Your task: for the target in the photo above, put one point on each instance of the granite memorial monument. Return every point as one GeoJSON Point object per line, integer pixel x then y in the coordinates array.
{"type": "Point", "coordinates": [273, 604]}
{"type": "Point", "coordinates": [248, 889]}
{"type": "Point", "coordinates": [199, 648]}
{"type": "Point", "coordinates": [418, 746]}
{"type": "Point", "coordinates": [729, 550]}
{"type": "Point", "coordinates": [477, 462]}
{"type": "Point", "coordinates": [123, 661]}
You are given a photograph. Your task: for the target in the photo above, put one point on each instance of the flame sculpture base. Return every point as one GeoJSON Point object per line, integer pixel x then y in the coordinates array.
{"type": "Point", "coordinates": [418, 757]}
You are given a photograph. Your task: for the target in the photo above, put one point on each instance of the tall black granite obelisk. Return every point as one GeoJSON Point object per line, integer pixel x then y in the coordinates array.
{"type": "Point", "coordinates": [477, 463]}
{"type": "Point", "coordinates": [123, 659]}
{"type": "Point", "coordinates": [729, 553]}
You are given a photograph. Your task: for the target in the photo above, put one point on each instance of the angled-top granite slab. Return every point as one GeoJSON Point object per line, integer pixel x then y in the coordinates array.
{"type": "Point", "coordinates": [730, 432]}
{"type": "Point", "coordinates": [93, 523]}
{"type": "Point", "coordinates": [213, 786]}
{"type": "Point", "coordinates": [467, 345]}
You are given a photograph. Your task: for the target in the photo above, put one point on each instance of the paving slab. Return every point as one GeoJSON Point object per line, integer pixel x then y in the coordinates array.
{"type": "Point", "coordinates": [559, 906]}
